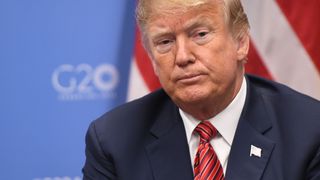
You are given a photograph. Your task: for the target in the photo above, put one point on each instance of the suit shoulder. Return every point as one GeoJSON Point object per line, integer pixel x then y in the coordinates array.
{"type": "Point", "coordinates": [280, 91]}
{"type": "Point", "coordinates": [134, 112]}
{"type": "Point", "coordinates": [288, 105]}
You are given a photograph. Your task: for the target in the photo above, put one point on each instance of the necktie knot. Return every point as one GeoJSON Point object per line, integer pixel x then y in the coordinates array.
{"type": "Point", "coordinates": [206, 131]}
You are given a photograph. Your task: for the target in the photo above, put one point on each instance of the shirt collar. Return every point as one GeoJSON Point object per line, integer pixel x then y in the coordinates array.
{"type": "Point", "coordinates": [225, 122]}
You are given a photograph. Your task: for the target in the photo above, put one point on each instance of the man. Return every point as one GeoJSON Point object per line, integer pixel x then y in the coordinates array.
{"type": "Point", "coordinates": [209, 121]}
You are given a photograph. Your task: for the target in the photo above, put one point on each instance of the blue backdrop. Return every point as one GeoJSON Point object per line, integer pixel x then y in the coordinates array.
{"type": "Point", "coordinates": [63, 63]}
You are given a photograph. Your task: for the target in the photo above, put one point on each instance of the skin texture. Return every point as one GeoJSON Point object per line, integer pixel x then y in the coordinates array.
{"type": "Point", "coordinates": [198, 62]}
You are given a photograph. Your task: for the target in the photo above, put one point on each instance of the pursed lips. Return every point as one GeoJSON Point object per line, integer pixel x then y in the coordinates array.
{"type": "Point", "coordinates": [189, 78]}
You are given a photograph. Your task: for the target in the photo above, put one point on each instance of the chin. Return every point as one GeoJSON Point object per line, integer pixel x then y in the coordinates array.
{"type": "Point", "coordinates": [192, 95]}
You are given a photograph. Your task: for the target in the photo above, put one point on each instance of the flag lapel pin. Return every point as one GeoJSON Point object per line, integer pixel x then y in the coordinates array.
{"type": "Point", "coordinates": [255, 151]}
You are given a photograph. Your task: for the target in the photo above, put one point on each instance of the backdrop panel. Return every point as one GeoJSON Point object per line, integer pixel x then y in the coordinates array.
{"type": "Point", "coordinates": [63, 63]}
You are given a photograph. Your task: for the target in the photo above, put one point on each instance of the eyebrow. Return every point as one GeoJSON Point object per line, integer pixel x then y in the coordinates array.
{"type": "Point", "coordinates": [188, 26]}
{"type": "Point", "coordinates": [197, 22]}
{"type": "Point", "coordinates": [161, 32]}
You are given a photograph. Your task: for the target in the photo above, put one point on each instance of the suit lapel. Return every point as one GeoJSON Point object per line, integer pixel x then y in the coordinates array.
{"type": "Point", "coordinates": [168, 152]}
{"type": "Point", "coordinates": [249, 137]}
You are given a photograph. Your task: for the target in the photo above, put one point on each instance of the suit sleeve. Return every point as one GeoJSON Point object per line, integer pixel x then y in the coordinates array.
{"type": "Point", "coordinates": [313, 172]}
{"type": "Point", "coordinates": [98, 164]}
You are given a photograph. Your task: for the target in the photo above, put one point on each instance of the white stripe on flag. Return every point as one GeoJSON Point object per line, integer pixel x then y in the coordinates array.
{"type": "Point", "coordinates": [136, 87]}
{"type": "Point", "coordinates": [280, 49]}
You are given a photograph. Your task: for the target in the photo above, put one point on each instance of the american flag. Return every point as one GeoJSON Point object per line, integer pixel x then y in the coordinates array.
{"type": "Point", "coordinates": [285, 47]}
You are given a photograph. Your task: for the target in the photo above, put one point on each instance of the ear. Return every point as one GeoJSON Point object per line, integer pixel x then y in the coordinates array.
{"type": "Point", "coordinates": [243, 46]}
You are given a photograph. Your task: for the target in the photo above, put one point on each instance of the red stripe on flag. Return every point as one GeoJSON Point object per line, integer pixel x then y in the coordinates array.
{"type": "Point", "coordinates": [144, 64]}
{"type": "Point", "coordinates": [304, 19]}
{"type": "Point", "coordinates": [255, 65]}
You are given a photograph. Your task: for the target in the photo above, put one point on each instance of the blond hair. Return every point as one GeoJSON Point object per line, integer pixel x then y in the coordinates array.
{"type": "Point", "coordinates": [235, 16]}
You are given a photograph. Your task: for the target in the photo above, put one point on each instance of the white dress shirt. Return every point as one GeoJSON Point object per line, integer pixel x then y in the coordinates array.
{"type": "Point", "coordinates": [225, 122]}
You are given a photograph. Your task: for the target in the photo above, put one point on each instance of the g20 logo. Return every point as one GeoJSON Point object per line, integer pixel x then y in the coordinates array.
{"type": "Point", "coordinates": [84, 81]}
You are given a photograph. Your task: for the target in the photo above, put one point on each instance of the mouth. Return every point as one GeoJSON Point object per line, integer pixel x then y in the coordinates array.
{"type": "Point", "coordinates": [190, 78]}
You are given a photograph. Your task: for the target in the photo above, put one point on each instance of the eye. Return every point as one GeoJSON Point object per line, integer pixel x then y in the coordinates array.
{"type": "Point", "coordinates": [164, 45]}
{"type": "Point", "coordinates": [166, 41]}
{"type": "Point", "coordinates": [201, 36]}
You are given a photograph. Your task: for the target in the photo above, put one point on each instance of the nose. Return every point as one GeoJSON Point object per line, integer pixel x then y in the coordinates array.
{"type": "Point", "coordinates": [184, 55]}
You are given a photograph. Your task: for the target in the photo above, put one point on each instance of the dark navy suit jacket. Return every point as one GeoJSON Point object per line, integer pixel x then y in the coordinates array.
{"type": "Point", "coordinates": [146, 140]}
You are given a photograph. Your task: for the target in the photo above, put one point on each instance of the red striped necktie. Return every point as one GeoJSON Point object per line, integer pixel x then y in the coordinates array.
{"type": "Point", "coordinates": [207, 165]}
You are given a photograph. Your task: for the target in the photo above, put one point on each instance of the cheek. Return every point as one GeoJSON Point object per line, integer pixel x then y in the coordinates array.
{"type": "Point", "coordinates": [155, 67]}
{"type": "Point", "coordinates": [213, 59]}
{"type": "Point", "coordinates": [163, 67]}
{"type": "Point", "coordinates": [220, 61]}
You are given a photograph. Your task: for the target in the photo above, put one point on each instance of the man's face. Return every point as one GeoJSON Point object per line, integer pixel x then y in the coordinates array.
{"type": "Point", "coordinates": [194, 54]}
